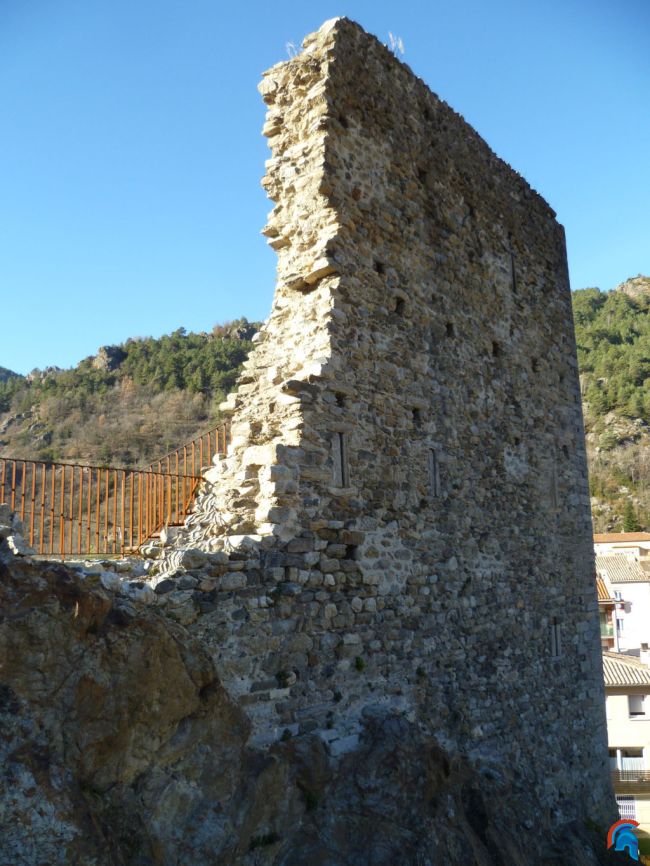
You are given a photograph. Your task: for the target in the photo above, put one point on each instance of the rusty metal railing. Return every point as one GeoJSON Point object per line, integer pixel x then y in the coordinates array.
{"type": "Point", "coordinates": [192, 457]}
{"type": "Point", "coordinates": [68, 509]}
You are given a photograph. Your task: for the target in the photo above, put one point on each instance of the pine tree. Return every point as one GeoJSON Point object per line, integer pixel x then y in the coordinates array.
{"type": "Point", "coordinates": [630, 520]}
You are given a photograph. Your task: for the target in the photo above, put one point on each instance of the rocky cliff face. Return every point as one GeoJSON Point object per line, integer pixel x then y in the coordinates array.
{"type": "Point", "coordinates": [119, 746]}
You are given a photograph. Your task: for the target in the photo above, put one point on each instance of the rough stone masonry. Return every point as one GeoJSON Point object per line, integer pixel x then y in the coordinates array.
{"type": "Point", "coordinates": [402, 522]}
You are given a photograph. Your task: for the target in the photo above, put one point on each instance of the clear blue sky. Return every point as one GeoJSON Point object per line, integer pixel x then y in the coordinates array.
{"type": "Point", "coordinates": [131, 154]}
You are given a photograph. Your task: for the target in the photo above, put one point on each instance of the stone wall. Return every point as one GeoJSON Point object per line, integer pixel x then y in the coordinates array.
{"type": "Point", "coordinates": [402, 521]}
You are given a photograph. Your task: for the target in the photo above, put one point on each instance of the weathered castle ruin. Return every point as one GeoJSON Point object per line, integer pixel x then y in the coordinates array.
{"type": "Point", "coordinates": [406, 487]}
{"type": "Point", "coordinates": [386, 647]}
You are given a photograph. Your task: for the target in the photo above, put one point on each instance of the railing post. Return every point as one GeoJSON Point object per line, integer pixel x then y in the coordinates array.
{"type": "Point", "coordinates": [147, 499]}
{"type": "Point", "coordinates": [106, 506]}
{"type": "Point", "coordinates": [22, 493]}
{"type": "Point", "coordinates": [114, 511]}
{"type": "Point", "coordinates": [97, 508]}
{"type": "Point", "coordinates": [62, 514]}
{"type": "Point", "coordinates": [52, 508]}
{"type": "Point", "coordinates": [177, 486]}
{"type": "Point", "coordinates": [41, 547]}
{"type": "Point", "coordinates": [90, 491]}
{"type": "Point", "coordinates": [71, 510]}
{"type": "Point", "coordinates": [80, 511]}
{"type": "Point", "coordinates": [32, 513]}
{"type": "Point", "coordinates": [13, 485]}
{"type": "Point", "coordinates": [131, 500]}
{"type": "Point", "coordinates": [122, 522]}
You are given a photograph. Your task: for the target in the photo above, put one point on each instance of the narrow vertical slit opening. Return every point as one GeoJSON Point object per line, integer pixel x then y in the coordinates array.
{"type": "Point", "coordinates": [513, 273]}
{"type": "Point", "coordinates": [434, 474]}
{"type": "Point", "coordinates": [556, 638]}
{"type": "Point", "coordinates": [341, 471]}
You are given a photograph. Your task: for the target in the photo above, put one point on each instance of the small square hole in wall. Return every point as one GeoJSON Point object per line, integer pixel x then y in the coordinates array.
{"type": "Point", "coordinates": [496, 349]}
{"type": "Point", "coordinates": [417, 417]}
{"type": "Point", "coordinates": [379, 267]}
{"type": "Point", "coordinates": [451, 331]}
{"type": "Point", "coordinates": [534, 365]}
{"type": "Point", "coordinates": [340, 400]}
{"type": "Point", "coordinates": [399, 306]}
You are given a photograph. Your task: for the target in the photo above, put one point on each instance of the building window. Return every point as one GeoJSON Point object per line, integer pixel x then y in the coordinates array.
{"type": "Point", "coordinates": [618, 595]}
{"type": "Point", "coordinates": [626, 807]}
{"type": "Point", "coordinates": [613, 762]}
{"type": "Point", "coordinates": [636, 705]}
{"type": "Point", "coordinates": [340, 460]}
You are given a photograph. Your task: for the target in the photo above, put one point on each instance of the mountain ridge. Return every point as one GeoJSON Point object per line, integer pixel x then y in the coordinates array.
{"type": "Point", "coordinates": [613, 340]}
{"type": "Point", "coordinates": [6, 374]}
{"type": "Point", "coordinates": [127, 404]}
{"type": "Point", "coordinates": [132, 401]}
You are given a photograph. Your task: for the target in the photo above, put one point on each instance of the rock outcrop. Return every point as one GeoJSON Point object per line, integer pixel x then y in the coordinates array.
{"type": "Point", "coordinates": [120, 747]}
{"type": "Point", "coordinates": [635, 287]}
{"type": "Point", "coordinates": [108, 358]}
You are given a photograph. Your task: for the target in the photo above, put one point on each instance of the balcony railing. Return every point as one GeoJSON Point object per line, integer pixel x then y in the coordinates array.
{"type": "Point", "coordinates": [631, 775]}
{"type": "Point", "coordinates": [631, 781]}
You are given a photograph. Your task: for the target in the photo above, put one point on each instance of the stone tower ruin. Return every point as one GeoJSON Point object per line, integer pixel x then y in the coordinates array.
{"type": "Point", "coordinates": [402, 521]}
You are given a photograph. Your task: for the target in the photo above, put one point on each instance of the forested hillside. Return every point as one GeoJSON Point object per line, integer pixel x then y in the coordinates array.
{"type": "Point", "coordinates": [126, 405]}
{"type": "Point", "coordinates": [7, 374]}
{"type": "Point", "coordinates": [131, 403]}
{"type": "Point", "coordinates": [613, 338]}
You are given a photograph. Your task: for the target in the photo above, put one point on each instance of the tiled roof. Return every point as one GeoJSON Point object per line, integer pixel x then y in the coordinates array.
{"type": "Point", "coordinates": [603, 592]}
{"type": "Point", "coordinates": [631, 537]}
{"type": "Point", "coordinates": [620, 569]}
{"type": "Point", "coordinates": [622, 670]}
